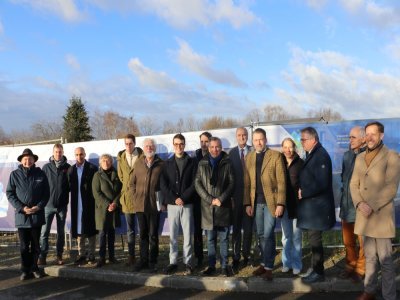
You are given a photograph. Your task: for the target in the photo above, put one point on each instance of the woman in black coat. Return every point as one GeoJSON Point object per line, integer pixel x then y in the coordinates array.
{"type": "Point", "coordinates": [291, 234]}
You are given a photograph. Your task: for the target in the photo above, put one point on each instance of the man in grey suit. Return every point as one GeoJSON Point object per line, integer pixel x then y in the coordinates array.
{"type": "Point", "coordinates": [240, 218]}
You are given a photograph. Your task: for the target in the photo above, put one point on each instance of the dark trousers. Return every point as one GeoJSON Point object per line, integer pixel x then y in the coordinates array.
{"type": "Point", "coordinates": [29, 248]}
{"type": "Point", "coordinates": [317, 251]}
{"type": "Point", "coordinates": [107, 237]}
{"type": "Point", "coordinates": [198, 231]}
{"type": "Point", "coordinates": [148, 235]}
{"type": "Point", "coordinates": [241, 220]}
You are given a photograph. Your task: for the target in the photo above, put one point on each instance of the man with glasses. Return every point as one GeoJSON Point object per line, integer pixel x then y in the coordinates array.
{"type": "Point", "coordinates": [355, 259]}
{"type": "Point", "coordinates": [316, 208]}
{"type": "Point", "coordinates": [177, 186]}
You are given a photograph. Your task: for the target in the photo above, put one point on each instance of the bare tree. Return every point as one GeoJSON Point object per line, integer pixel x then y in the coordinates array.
{"type": "Point", "coordinates": [168, 127]}
{"type": "Point", "coordinates": [253, 116]}
{"type": "Point", "coordinates": [218, 122]}
{"type": "Point", "coordinates": [111, 125]}
{"type": "Point", "coordinates": [46, 130]}
{"type": "Point", "coordinates": [327, 113]}
{"type": "Point", "coordinates": [148, 126]}
{"type": "Point", "coordinates": [4, 138]}
{"type": "Point", "coordinates": [276, 113]}
{"type": "Point", "coordinates": [191, 124]}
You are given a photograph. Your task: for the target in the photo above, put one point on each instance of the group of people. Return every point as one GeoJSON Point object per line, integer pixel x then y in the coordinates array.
{"type": "Point", "coordinates": [248, 188]}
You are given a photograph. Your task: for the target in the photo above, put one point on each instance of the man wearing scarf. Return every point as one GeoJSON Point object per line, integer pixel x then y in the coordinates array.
{"type": "Point", "coordinates": [214, 183]}
{"type": "Point", "coordinates": [373, 187]}
{"type": "Point", "coordinates": [56, 171]}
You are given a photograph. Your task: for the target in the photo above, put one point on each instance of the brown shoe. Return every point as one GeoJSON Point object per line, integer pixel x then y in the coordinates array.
{"type": "Point", "coordinates": [366, 296]}
{"type": "Point", "coordinates": [131, 261]}
{"type": "Point", "coordinates": [41, 261]}
{"type": "Point", "coordinates": [59, 260]}
{"type": "Point", "coordinates": [259, 271]}
{"type": "Point", "coordinates": [356, 278]}
{"type": "Point", "coordinates": [267, 275]}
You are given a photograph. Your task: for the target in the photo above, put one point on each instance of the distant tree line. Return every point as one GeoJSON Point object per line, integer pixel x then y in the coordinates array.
{"type": "Point", "coordinates": [77, 126]}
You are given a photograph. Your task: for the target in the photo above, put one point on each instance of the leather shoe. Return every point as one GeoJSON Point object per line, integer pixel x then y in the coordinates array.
{"type": "Point", "coordinates": [313, 277]}
{"type": "Point", "coordinates": [170, 269]}
{"type": "Point", "coordinates": [356, 278]}
{"type": "Point", "coordinates": [267, 275]}
{"type": "Point", "coordinates": [209, 271]}
{"type": "Point", "coordinates": [366, 296]}
{"type": "Point", "coordinates": [37, 274]}
{"type": "Point", "coordinates": [259, 271]}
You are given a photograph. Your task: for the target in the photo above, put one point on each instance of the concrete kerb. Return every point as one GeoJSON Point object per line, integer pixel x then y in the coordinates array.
{"type": "Point", "coordinates": [278, 285]}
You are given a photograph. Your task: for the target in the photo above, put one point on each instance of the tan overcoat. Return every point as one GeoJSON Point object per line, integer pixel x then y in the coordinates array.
{"type": "Point", "coordinates": [377, 186]}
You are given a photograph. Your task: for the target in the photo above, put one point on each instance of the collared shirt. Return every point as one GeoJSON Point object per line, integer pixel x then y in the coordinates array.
{"type": "Point", "coordinates": [245, 148]}
{"type": "Point", "coordinates": [79, 170]}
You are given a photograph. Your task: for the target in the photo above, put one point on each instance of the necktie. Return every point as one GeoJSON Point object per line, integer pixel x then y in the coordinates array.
{"type": "Point", "coordinates": [242, 156]}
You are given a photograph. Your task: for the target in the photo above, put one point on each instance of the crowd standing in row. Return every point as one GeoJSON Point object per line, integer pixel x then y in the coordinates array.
{"type": "Point", "coordinates": [247, 188]}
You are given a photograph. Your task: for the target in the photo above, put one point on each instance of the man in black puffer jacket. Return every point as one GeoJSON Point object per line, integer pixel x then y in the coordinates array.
{"type": "Point", "coordinates": [56, 171]}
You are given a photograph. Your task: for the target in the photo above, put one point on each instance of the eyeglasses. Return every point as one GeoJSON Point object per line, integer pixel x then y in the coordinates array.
{"type": "Point", "coordinates": [179, 144]}
{"type": "Point", "coordinates": [303, 140]}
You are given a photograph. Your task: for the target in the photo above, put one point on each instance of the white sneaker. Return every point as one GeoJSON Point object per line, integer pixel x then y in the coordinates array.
{"type": "Point", "coordinates": [285, 269]}
{"type": "Point", "coordinates": [296, 271]}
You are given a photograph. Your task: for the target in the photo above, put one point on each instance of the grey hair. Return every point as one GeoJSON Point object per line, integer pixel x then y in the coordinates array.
{"type": "Point", "coordinates": [149, 140]}
{"type": "Point", "coordinates": [312, 132]}
{"type": "Point", "coordinates": [107, 156]}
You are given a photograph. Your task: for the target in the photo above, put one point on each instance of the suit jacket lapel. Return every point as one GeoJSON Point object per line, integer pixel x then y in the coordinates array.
{"type": "Point", "coordinates": [267, 158]}
{"type": "Point", "coordinates": [382, 153]}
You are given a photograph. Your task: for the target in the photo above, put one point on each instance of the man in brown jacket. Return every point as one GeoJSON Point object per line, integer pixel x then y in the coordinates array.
{"type": "Point", "coordinates": [373, 187]}
{"type": "Point", "coordinates": [265, 196]}
{"type": "Point", "coordinates": [145, 187]}
{"type": "Point", "coordinates": [126, 162]}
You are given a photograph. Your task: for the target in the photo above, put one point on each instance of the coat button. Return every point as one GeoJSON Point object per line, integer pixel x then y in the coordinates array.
{"type": "Point", "coordinates": [365, 189]}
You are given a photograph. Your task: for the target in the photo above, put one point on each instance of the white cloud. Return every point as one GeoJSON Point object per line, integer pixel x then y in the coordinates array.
{"type": "Point", "coordinates": [393, 49]}
{"type": "Point", "coordinates": [316, 4]}
{"type": "Point", "coordinates": [73, 62]}
{"type": "Point", "coordinates": [65, 9]}
{"type": "Point", "coordinates": [184, 13]}
{"type": "Point", "coordinates": [380, 15]}
{"type": "Point", "coordinates": [147, 77]}
{"type": "Point", "coordinates": [202, 65]}
{"type": "Point", "coordinates": [329, 79]}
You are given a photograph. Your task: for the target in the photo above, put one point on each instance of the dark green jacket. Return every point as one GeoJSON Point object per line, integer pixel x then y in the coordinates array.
{"type": "Point", "coordinates": [105, 192]}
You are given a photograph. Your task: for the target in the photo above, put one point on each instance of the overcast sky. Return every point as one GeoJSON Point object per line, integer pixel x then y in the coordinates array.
{"type": "Point", "coordinates": [179, 58]}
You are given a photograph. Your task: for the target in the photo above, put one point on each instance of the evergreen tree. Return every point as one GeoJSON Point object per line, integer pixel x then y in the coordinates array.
{"type": "Point", "coordinates": [76, 122]}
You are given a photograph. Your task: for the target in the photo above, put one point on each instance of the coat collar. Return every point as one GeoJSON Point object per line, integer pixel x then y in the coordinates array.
{"type": "Point", "coordinates": [381, 154]}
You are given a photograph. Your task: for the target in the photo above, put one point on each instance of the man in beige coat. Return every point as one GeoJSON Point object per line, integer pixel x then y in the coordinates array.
{"type": "Point", "coordinates": [373, 187]}
{"type": "Point", "coordinates": [126, 162]}
{"type": "Point", "coordinates": [264, 196]}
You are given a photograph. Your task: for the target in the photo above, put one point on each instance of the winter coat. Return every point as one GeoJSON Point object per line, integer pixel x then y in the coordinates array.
{"type": "Point", "coordinates": [316, 208]}
{"type": "Point", "coordinates": [347, 209]}
{"type": "Point", "coordinates": [173, 185]}
{"type": "Point", "coordinates": [105, 192]}
{"type": "Point", "coordinates": [376, 185]}
{"type": "Point", "coordinates": [211, 215]}
{"type": "Point", "coordinates": [125, 173]}
{"type": "Point", "coordinates": [88, 222]}
{"type": "Point", "coordinates": [28, 188]}
{"type": "Point", "coordinates": [273, 178]}
{"type": "Point", "coordinates": [145, 182]}
{"type": "Point", "coordinates": [292, 186]}
{"type": "Point", "coordinates": [58, 182]}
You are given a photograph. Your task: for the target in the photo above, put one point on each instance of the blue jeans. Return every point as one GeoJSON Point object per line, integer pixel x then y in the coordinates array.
{"type": "Point", "coordinates": [61, 216]}
{"type": "Point", "coordinates": [266, 235]}
{"type": "Point", "coordinates": [291, 242]}
{"type": "Point", "coordinates": [223, 236]}
{"type": "Point", "coordinates": [131, 234]}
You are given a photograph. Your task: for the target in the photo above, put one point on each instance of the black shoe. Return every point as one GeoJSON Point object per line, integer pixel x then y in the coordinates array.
{"type": "Point", "coordinates": [101, 262]}
{"type": "Point", "coordinates": [313, 277]}
{"type": "Point", "coordinates": [140, 265]}
{"type": "Point", "coordinates": [113, 260]}
{"type": "Point", "coordinates": [24, 276]}
{"type": "Point", "coordinates": [235, 266]}
{"type": "Point", "coordinates": [37, 274]}
{"type": "Point", "coordinates": [209, 271]}
{"type": "Point", "coordinates": [188, 270]}
{"type": "Point", "coordinates": [199, 263]}
{"type": "Point", "coordinates": [153, 267]}
{"type": "Point", "coordinates": [226, 272]}
{"type": "Point", "coordinates": [91, 260]}
{"type": "Point", "coordinates": [80, 261]}
{"type": "Point", "coordinates": [170, 269]}
{"type": "Point", "coordinates": [245, 263]}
